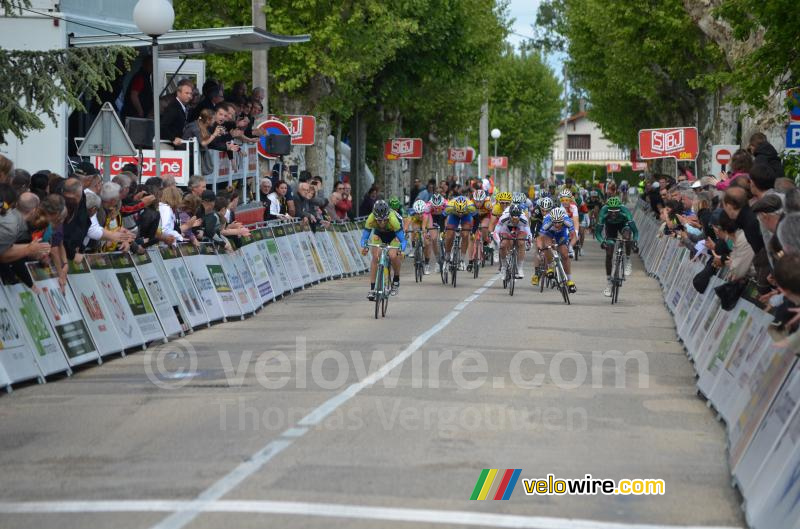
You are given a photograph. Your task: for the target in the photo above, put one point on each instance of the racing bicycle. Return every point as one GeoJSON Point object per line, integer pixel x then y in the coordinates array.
{"type": "Point", "coordinates": [383, 284]}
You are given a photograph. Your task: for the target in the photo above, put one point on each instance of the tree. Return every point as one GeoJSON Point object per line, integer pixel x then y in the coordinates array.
{"type": "Point", "coordinates": [35, 83]}
{"type": "Point", "coordinates": [525, 105]}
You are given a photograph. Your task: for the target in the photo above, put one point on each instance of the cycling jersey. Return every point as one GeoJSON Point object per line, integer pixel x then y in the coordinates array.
{"type": "Point", "coordinates": [455, 219]}
{"type": "Point", "coordinates": [559, 235]}
{"type": "Point", "coordinates": [505, 226]}
{"type": "Point", "coordinates": [499, 208]}
{"type": "Point", "coordinates": [484, 208]}
{"type": "Point", "coordinates": [393, 229]}
{"type": "Point", "coordinates": [613, 225]}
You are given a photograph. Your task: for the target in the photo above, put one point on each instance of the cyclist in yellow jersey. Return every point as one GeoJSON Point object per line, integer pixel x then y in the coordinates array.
{"type": "Point", "coordinates": [386, 227]}
{"type": "Point", "coordinates": [460, 212]}
{"type": "Point", "coordinates": [502, 201]}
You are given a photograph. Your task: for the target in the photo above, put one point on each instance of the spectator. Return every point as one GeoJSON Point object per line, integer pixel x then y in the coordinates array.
{"type": "Point", "coordinates": [223, 119]}
{"type": "Point", "coordinates": [258, 95]}
{"type": "Point", "coordinates": [416, 187]}
{"type": "Point", "coordinates": [174, 117]}
{"type": "Point", "coordinates": [6, 168]}
{"type": "Point", "coordinates": [428, 192]}
{"type": "Point", "coordinates": [741, 162]}
{"type": "Point", "coordinates": [304, 203]}
{"type": "Point", "coordinates": [787, 276]}
{"type": "Point", "coordinates": [265, 189]}
{"type": "Point", "coordinates": [769, 211]}
{"type": "Point", "coordinates": [209, 229]}
{"type": "Point", "coordinates": [278, 201]}
{"type": "Point", "coordinates": [238, 94]}
{"type": "Point", "coordinates": [212, 96]}
{"type": "Point", "coordinates": [187, 218]}
{"type": "Point", "coordinates": [168, 207]}
{"type": "Point", "coordinates": [792, 201]}
{"type": "Point", "coordinates": [139, 94]}
{"type": "Point", "coordinates": [369, 201]}
{"type": "Point", "coordinates": [149, 221]}
{"type": "Point", "coordinates": [111, 218]}
{"type": "Point", "coordinates": [204, 131]}
{"type": "Point", "coordinates": [13, 227]}
{"type": "Point", "coordinates": [789, 233]}
{"type": "Point", "coordinates": [762, 180]}
{"type": "Point", "coordinates": [90, 182]}
{"type": "Point", "coordinates": [20, 181]}
{"type": "Point", "coordinates": [344, 207]}
{"type": "Point", "coordinates": [765, 154]}
{"type": "Point", "coordinates": [741, 255]}
{"type": "Point", "coordinates": [197, 184]}
{"type": "Point", "coordinates": [734, 202]}
{"type": "Point", "coordinates": [78, 221]}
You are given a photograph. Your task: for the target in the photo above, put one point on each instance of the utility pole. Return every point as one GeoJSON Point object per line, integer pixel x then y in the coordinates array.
{"type": "Point", "coordinates": [483, 139]}
{"type": "Point", "coordinates": [566, 119]}
{"type": "Point", "coordinates": [260, 57]}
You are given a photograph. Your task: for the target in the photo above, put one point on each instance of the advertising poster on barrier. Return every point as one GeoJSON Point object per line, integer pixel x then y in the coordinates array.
{"type": "Point", "coordinates": [341, 250]}
{"type": "Point", "coordinates": [713, 337]}
{"type": "Point", "coordinates": [255, 260]}
{"type": "Point", "coordinates": [168, 314]}
{"type": "Point", "coordinates": [272, 259]}
{"type": "Point", "coordinates": [237, 284]}
{"type": "Point", "coordinates": [304, 235]}
{"type": "Point", "coordinates": [114, 300]}
{"type": "Point", "coordinates": [239, 262]}
{"type": "Point", "coordinates": [219, 280]}
{"type": "Point", "coordinates": [136, 297]}
{"type": "Point", "coordinates": [770, 432]}
{"type": "Point", "coordinates": [351, 247]}
{"type": "Point", "coordinates": [775, 499]}
{"type": "Point", "coordinates": [328, 253]}
{"type": "Point", "coordinates": [361, 262]}
{"type": "Point", "coordinates": [39, 336]}
{"type": "Point", "coordinates": [64, 315]}
{"type": "Point", "coordinates": [202, 281]}
{"type": "Point", "coordinates": [286, 253]}
{"type": "Point", "coordinates": [15, 355]}
{"type": "Point", "coordinates": [703, 318]}
{"type": "Point", "coordinates": [96, 314]}
{"type": "Point", "coordinates": [169, 288]}
{"type": "Point", "coordinates": [178, 276]}
{"type": "Point", "coordinates": [688, 300]}
{"type": "Point", "coordinates": [295, 237]}
{"type": "Point", "coordinates": [679, 282]}
{"type": "Point", "coordinates": [719, 350]}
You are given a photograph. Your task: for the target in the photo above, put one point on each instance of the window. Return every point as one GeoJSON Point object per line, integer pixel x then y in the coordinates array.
{"type": "Point", "coordinates": [579, 141]}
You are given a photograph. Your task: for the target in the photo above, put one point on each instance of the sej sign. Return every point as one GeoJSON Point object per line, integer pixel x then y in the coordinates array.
{"type": "Point", "coordinates": [679, 143]}
{"type": "Point", "coordinates": [397, 148]}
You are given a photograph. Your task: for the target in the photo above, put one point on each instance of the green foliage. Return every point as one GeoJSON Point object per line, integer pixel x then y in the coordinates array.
{"type": "Point", "coordinates": [227, 67]}
{"type": "Point", "coordinates": [774, 64]}
{"type": "Point", "coordinates": [635, 60]}
{"type": "Point", "coordinates": [580, 172]}
{"type": "Point", "coordinates": [791, 166]}
{"type": "Point", "coordinates": [525, 105]}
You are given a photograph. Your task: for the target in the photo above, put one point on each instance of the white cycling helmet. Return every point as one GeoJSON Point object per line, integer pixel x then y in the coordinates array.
{"type": "Point", "coordinates": [437, 200]}
{"type": "Point", "coordinates": [419, 207]}
{"type": "Point", "coordinates": [518, 198]}
{"type": "Point", "coordinates": [558, 214]}
{"type": "Point", "coordinates": [546, 203]}
{"type": "Point", "coordinates": [479, 195]}
{"type": "Point", "coordinates": [565, 193]}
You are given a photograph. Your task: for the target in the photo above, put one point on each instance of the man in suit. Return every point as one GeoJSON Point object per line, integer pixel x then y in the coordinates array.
{"type": "Point", "coordinates": [173, 119]}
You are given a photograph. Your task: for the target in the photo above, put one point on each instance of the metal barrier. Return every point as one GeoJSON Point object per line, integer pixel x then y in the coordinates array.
{"type": "Point", "coordinates": [752, 383]}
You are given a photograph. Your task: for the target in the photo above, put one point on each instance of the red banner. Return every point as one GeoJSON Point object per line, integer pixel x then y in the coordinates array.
{"type": "Point", "coordinates": [639, 166]}
{"type": "Point", "coordinates": [678, 143]}
{"type": "Point", "coordinates": [498, 162]}
{"type": "Point", "coordinates": [461, 155]}
{"type": "Point", "coordinates": [169, 166]}
{"type": "Point", "coordinates": [613, 168]}
{"type": "Point", "coordinates": [302, 128]}
{"type": "Point", "coordinates": [402, 148]}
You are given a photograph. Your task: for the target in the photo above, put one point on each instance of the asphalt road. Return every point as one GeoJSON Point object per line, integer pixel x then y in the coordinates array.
{"type": "Point", "coordinates": [314, 414]}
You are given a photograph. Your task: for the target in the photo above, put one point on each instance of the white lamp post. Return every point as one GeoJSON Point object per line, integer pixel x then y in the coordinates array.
{"type": "Point", "coordinates": [154, 18]}
{"type": "Point", "coordinates": [495, 134]}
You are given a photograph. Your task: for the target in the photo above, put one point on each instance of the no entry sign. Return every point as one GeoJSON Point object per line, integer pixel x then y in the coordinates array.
{"type": "Point", "coordinates": [272, 126]}
{"type": "Point", "coordinates": [721, 156]}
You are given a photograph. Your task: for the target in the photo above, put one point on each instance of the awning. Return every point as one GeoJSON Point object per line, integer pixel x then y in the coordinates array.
{"type": "Point", "coordinates": [195, 41]}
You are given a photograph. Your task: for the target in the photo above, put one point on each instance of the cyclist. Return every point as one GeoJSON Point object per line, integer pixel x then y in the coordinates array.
{"type": "Point", "coordinates": [436, 209]}
{"type": "Point", "coordinates": [511, 224]}
{"type": "Point", "coordinates": [483, 205]}
{"type": "Point", "coordinates": [502, 201]}
{"type": "Point", "coordinates": [385, 227]}
{"type": "Point", "coordinates": [594, 203]}
{"type": "Point", "coordinates": [419, 218]}
{"type": "Point", "coordinates": [542, 208]}
{"type": "Point", "coordinates": [557, 229]}
{"type": "Point", "coordinates": [460, 212]}
{"type": "Point", "coordinates": [568, 203]}
{"type": "Point", "coordinates": [522, 201]}
{"type": "Point", "coordinates": [614, 217]}
{"type": "Point", "coordinates": [623, 190]}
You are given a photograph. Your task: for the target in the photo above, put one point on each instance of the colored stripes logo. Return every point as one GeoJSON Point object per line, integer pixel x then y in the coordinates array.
{"type": "Point", "coordinates": [496, 484]}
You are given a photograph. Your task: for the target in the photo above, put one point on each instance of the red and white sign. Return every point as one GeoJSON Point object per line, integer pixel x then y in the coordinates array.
{"type": "Point", "coordinates": [302, 128]}
{"type": "Point", "coordinates": [639, 166]}
{"type": "Point", "coordinates": [402, 148]}
{"type": "Point", "coordinates": [170, 166]}
{"type": "Point", "coordinates": [461, 155]}
{"type": "Point", "coordinates": [272, 126]}
{"type": "Point", "coordinates": [721, 157]}
{"type": "Point", "coordinates": [613, 168]}
{"type": "Point", "coordinates": [678, 143]}
{"type": "Point", "coordinates": [498, 162]}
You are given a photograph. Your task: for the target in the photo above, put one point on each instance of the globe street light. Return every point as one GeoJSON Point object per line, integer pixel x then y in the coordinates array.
{"type": "Point", "coordinates": [154, 18]}
{"type": "Point", "coordinates": [495, 134]}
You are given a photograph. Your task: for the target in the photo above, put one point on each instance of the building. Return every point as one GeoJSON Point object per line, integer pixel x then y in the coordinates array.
{"type": "Point", "coordinates": [585, 145]}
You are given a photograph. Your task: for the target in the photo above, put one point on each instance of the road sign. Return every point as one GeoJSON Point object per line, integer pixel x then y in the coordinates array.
{"type": "Point", "coordinates": [498, 162]}
{"type": "Point", "coordinates": [461, 155]}
{"type": "Point", "coordinates": [107, 137]}
{"type": "Point", "coordinates": [272, 126]}
{"type": "Point", "coordinates": [613, 168]}
{"type": "Point", "coordinates": [397, 148]}
{"type": "Point", "coordinates": [721, 157]}
{"type": "Point", "coordinates": [679, 143]}
{"type": "Point", "coordinates": [302, 128]}
{"type": "Point", "coordinates": [793, 136]}
{"type": "Point", "coordinates": [639, 166]}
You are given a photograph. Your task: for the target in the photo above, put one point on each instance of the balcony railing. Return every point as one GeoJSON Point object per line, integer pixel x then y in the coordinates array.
{"type": "Point", "coordinates": [588, 155]}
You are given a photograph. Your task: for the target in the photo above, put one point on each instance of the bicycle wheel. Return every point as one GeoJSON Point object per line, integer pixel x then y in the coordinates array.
{"type": "Point", "coordinates": [455, 260]}
{"type": "Point", "coordinates": [617, 280]}
{"type": "Point", "coordinates": [386, 287]}
{"type": "Point", "coordinates": [378, 290]}
{"type": "Point", "coordinates": [513, 279]}
{"type": "Point", "coordinates": [562, 283]}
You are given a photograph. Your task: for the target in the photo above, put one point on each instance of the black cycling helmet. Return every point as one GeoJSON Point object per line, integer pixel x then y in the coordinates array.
{"type": "Point", "coordinates": [381, 210]}
{"type": "Point", "coordinates": [515, 211]}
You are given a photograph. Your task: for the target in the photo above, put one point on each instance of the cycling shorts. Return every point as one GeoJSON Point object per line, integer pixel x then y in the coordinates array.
{"type": "Point", "coordinates": [559, 237]}
{"type": "Point", "coordinates": [385, 237]}
{"type": "Point", "coordinates": [454, 221]}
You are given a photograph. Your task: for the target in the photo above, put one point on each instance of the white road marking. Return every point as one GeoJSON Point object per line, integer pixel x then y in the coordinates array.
{"type": "Point", "coordinates": [246, 469]}
{"type": "Point", "coordinates": [328, 510]}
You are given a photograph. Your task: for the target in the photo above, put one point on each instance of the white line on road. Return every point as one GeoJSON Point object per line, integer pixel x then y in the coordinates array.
{"type": "Point", "coordinates": [246, 469]}
{"type": "Point", "coordinates": [329, 510]}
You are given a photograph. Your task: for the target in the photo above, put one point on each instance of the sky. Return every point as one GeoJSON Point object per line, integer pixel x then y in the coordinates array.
{"type": "Point", "coordinates": [524, 13]}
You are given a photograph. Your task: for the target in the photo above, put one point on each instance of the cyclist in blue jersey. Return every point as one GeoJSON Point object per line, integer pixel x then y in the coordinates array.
{"type": "Point", "coordinates": [558, 229]}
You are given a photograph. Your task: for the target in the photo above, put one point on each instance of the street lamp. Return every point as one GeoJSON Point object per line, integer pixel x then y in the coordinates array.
{"type": "Point", "coordinates": [495, 134]}
{"type": "Point", "coordinates": [154, 18]}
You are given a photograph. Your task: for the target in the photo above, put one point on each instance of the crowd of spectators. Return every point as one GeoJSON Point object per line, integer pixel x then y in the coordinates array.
{"type": "Point", "coordinates": [747, 222]}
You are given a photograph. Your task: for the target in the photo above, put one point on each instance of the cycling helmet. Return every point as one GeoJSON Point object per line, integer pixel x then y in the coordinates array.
{"type": "Point", "coordinates": [594, 193]}
{"type": "Point", "coordinates": [381, 210]}
{"type": "Point", "coordinates": [515, 211]}
{"type": "Point", "coordinates": [558, 214]}
{"type": "Point", "coordinates": [546, 203]}
{"type": "Point", "coordinates": [437, 200]}
{"type": "Point", "coordinates": [565, 194]}
{"type": "Point", "coordinates": [518, 198]}
{"type": "Point", "coordinates": [419, 207]}
{"type": "Point", "coordinates": [479, 195]}
{"type": "Point", "coordinates": [614, 203]}
{"type": "Point", "coordinates": [395, 204]}
{"type": "Point", "coordinates": [545, 194]}
{"type": "Point", "coordinates": [503, 196]}
{"type": "Point", "coordinates": [460, 205]}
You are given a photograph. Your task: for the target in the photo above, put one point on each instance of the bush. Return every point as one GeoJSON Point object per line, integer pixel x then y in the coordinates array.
{"type": "Point", "coordinates": [581, 172]}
